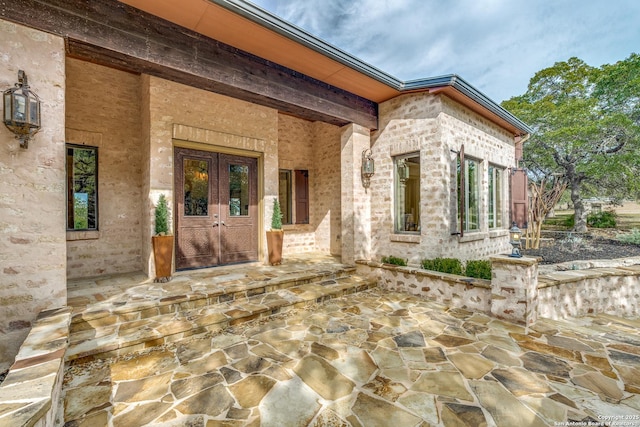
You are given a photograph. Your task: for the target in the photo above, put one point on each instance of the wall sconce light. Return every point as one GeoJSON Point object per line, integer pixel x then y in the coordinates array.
{"type": "Point", "coordinates": [515, 238]}
{"type": "Point", "coordinates": [403, 171]}
{"type": "Point", "coordinates": [368, 167]}
{"type": "Point", "coordinates": [21, 110]}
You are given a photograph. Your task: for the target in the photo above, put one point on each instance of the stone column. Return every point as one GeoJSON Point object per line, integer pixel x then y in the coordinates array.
{"type": "Point", "coordinates": [355, 200]}
{"type": "Point", "coordinates": [514, 289]}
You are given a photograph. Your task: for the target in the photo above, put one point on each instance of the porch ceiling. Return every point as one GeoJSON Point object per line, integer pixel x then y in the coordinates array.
{"type": "Point", "coordinates": [222, 24]}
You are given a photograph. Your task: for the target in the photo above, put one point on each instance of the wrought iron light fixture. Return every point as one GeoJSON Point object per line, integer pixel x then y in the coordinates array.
{"type": "Point", "coordinates": [403, 171]}
{"type": "Point", "coordinates": [515, 238]}
{"type": "Point", "coordinates": [21, 110]}
{"type": "Point", "coordinates": [368, 167]}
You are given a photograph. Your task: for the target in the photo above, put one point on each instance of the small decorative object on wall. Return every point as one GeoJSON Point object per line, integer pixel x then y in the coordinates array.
{"type": "Point", "coordinates": [21, 110]}
{"type": "Point", "coordinates": [275, 236]}
{"type": "Point", "coordinates": [162, 242]}
{"type": "Point", "coordinates": [368, 168]}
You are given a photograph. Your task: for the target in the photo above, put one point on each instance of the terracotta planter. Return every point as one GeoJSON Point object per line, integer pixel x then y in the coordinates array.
{"type": "Point", "coordinates": [274, 246]}
{"type": "Point", "coordinates": [163, 257]}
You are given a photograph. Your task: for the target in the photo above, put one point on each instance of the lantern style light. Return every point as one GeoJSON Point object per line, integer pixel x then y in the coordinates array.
{"type": "Point", "coordinates": [515, 238]}
{"type": "Point", "coordinates": [403, 171]}
{"type": "Point", "coordinates": [21, 110]}
{"type": "Point", "coordinates": [368, 168]}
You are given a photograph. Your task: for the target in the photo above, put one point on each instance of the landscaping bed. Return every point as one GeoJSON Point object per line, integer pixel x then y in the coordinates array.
{"type": "Point", "coordinates": [558, 247]}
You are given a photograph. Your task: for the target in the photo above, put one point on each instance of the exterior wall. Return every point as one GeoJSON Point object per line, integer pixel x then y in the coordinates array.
{"type": "Point", "coordinates": [436, 127]}
{"type": "Point", "coordinates": [206, 120]}
{"type": "Point", "coordinates": [313, 146]}
{"type": "Point", "coordinates": [326, 208]}
{"type": "Point", "coordinates": [581, 293]}
{"type": "Point", "coordinates": [355, 200]}
{"type": "Point", "coordinates": [32, 202]}
{"type": "Point", "coordinates": [103, 110]}
{"type": "Point", "coordinates": [295, 151]}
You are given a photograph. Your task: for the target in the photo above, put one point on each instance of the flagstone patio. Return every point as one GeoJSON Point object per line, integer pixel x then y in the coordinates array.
{"type": "Point", "coordinates": [373, 358]}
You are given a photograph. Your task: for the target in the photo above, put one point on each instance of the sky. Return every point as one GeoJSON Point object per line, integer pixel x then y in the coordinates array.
{"type": "Point", "coordinates": [495, 45]}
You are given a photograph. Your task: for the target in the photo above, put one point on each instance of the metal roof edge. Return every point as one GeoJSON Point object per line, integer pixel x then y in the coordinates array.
{"type": "Point", "coordinates": [268, 20]}
{"type": "Point", "coordinates": [462, 86]}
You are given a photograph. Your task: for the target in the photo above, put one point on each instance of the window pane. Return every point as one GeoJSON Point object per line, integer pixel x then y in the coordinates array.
{"type": "Point", "coordinates": [407, 193]}
{"type": "Point", "coordinates": [82, 188]}
{"type": "Point", "coordinates": [196, 187]}
{"type": "Point", "coordinates": [495, 197]}
{"type": "Point", "coordinates": [284, 194]}
{"type": "Point", "coordinates": [238, 190]}
{"type": "Point", "coordinates": [472, 194]}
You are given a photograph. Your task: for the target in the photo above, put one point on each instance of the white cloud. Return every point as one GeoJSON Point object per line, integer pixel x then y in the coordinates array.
{"type": "Point", "coordinates": [496, 45]}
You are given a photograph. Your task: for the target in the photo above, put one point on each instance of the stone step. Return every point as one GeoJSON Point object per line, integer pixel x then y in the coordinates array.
{"type": "Point", "coordinates": [149, 300]}
{"type": "Point", "coordinates": [102, 340]}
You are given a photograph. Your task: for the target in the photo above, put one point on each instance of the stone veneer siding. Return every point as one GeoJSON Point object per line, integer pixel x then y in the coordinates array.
{"type": "Point", "coordinates": [103, 110]}
{"type": "Point", "coordinates": [312, 146]}
{"type": "Point", "coordinates": [32, 202]}
{"type": "Point", "coordinates": [434, 125]}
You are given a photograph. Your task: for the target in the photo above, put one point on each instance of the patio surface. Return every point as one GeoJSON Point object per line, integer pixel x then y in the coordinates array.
{"type": "Point", "coordinates": [373, 358]}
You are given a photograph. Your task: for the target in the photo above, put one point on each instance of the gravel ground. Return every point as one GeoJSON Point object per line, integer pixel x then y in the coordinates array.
{"type": "Point", "coordinates": [566, 247]}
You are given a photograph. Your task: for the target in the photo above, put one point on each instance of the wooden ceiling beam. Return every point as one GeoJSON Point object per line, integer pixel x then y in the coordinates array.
{"type": "Point", "coordinates": [114, 34]}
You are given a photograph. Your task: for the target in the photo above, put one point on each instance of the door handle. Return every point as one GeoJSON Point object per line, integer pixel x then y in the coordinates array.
{"type": "Point", "coordinates": [222, 222]}
{"type": "Point", "coordinates": [215, 224]}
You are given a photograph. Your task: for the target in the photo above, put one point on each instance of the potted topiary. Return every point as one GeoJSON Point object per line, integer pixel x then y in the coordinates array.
{"type": "Point", "coordinates": [275, 236]}
{"type": "Point", "coordinates": [162, 242]}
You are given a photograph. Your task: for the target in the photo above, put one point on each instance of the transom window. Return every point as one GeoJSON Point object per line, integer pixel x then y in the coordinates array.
{"type": "Point", "coordinates": [407, 193]}
{"type": "Point", "coordinates": [82, 187]}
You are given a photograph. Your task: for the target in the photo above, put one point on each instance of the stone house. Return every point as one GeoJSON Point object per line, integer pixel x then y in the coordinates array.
{"type": "Point", "coordinates": [223, 107]}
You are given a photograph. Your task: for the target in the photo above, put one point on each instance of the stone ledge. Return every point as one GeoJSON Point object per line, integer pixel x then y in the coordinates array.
{"type": "Point", "coordinates": [29, 394]}
{"type": "Point", "coordinates": [452, 278]}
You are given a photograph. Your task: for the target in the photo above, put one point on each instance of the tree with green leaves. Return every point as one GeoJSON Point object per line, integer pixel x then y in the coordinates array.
{"type": "Point", "coordinates": [586, 124]}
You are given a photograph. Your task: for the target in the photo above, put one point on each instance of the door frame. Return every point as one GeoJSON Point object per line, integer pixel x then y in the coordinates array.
{"type": "Point", "coordinates": [178, 143]}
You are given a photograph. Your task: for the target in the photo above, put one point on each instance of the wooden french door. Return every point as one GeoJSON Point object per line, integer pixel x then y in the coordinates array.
{"type": "Point", "coordinates": [216, 206]}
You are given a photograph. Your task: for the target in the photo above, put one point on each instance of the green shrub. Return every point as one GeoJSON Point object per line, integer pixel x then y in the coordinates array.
{"type": "Point", "coordinates": [162, 216]}
{"type": "Point", "coordinates": [633, 238]}
{"type": "Point", "coordinates": [569, 221]}
{"type": "Point", "coordinates": [603, 219]}
{"type": "Point", "coordinates": [276, 216]}
{"type": "Point", "coordinates": [443, 265]}
{"type": "Point", "coordinates": [480, 269]}
{"type": "Point", "coordinates": [394, 260]}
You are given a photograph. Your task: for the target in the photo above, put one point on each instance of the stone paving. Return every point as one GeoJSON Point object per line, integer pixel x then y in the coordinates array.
{"type": "Point", "coordinates": [371, 359]}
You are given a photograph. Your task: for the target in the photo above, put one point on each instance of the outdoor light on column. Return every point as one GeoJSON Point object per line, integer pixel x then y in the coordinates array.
{"type": "Point", "coordinates": [368, 168]}
{"type": "Point", "coordinates": [515, 238]}
{"type": "Point", "coordinates": [21, 110]}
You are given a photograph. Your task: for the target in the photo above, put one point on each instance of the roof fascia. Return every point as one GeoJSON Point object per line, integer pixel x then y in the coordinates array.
{"type": "Point", "coordinates": [298, 35]}
{"type": "Point", "coordinates": [462, 86]}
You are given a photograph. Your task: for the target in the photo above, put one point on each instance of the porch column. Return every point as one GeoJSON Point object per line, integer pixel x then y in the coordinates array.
{"type": "Point", "coordinates": [355, 200]}
{"type": "Point", "coordinates": [514, 289]}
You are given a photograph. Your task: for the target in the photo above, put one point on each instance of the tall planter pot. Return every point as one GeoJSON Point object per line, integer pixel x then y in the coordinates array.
{"type": "Point", "coordinates": [274, 246]}
{"type": "Point", "coordinates": [163, 257]}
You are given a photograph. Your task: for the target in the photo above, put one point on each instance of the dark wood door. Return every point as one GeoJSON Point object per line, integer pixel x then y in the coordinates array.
{"type": "Point", "coordinates": [238, 209]}
{"type": "Point", "coordinates": [216, 209]}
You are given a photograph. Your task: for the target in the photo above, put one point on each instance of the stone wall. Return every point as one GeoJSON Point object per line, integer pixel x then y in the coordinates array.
{"type": "Point", "coordinates": [436, 127]}
{"type": "Point", "coordinates": [32, 202]}
{"type": "Point", "coordinates": [103, 110]}
{"type": "Point", "coordinates": [517, 292]}
{"type": "Point", "coordinates": [449, 289]}
{"type": "Point", "coordinates": [577, 293]}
